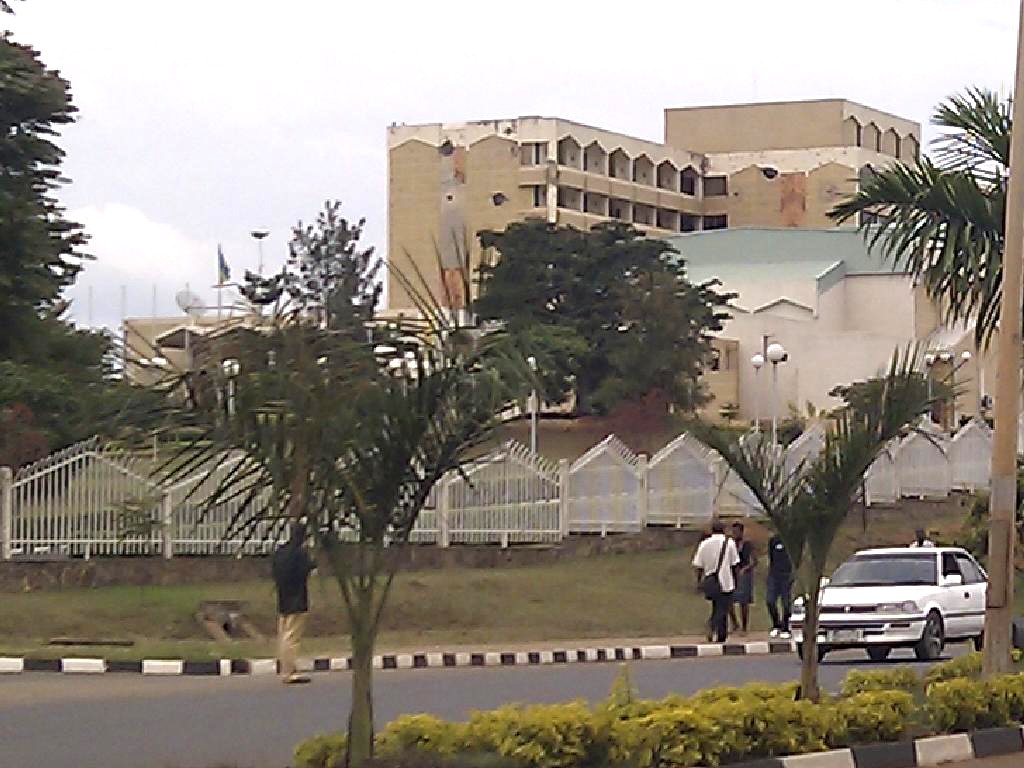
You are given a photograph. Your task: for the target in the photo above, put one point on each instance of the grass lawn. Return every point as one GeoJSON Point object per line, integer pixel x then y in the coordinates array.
{"type": "Point", "coordinates": [611, 596]}
{"type": "Point", "coordinates": [633, 595]}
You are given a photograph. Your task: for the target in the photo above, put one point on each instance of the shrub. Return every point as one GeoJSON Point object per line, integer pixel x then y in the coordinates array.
{"type": "Point", "coordinates": [1008, 693]}
{"type": "Point", "coordinates": [544, 736]}
{"type": "Point", "coordinates": [776, 726]}
{"type": "Point", "coordinates": [897, 679]}
{"type": "Point", "coordinates": [872, 715]}
{"type": "Point", "coordinates": [421, 733]}
{"type": "Point", "coordinates": [670, 737]}
{"type": "Point", "coordinates": [417, 759]}
{"type": "Point", "coordinates": [748, 692]}
{"type": "Point", "coordinates": [327, 751]}
{"type": "Point", "coordinates": [967, 666]}
{"type": "Point", "coordinates": [963, 705]}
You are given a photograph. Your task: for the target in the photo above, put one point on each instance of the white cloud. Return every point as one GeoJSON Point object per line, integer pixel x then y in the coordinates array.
{"type": "Point", "coordinates": [141, 254]}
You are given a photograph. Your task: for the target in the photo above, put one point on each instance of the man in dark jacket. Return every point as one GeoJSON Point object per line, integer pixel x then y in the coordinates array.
{"type": "Point", "coordinates": [779, 587]}
{"type": "Point", "coordinates": [291, 568]}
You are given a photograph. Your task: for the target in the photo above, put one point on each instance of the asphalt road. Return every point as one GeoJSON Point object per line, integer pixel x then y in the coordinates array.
{"type": "Point", "coordinates": [115, 721]}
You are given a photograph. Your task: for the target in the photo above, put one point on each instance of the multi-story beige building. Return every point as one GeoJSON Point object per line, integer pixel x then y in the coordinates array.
{"type": "Point", "coordinates": [751, 165]}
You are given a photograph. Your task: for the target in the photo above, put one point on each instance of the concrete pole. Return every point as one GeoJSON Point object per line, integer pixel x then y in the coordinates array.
{"type": "Point", "coordinates": [166, 526]}
{"type": "Point", "coordinates": [6, 511]}
{"type": "Point", "coordinates": [1001, 535]}
{"type": "Point", "coordinates": [775, 403]}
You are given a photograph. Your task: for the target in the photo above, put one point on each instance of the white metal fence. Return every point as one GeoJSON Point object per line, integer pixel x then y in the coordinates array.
{"type": "Point", "coordinates": [93, 499]}
{"type": "Point", "coordinates": [681, 484]}
{"type": "Point", "coordinates": [606, 491]}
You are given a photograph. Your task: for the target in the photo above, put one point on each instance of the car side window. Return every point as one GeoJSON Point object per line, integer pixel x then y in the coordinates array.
{"type": "Point", "coordinates": [970, 571]}
{"type": "Point", "coordinates": [949, 565]}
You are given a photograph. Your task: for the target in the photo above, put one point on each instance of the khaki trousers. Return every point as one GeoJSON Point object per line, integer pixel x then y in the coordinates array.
{"type": "Point", "coordinates": [290, 628]}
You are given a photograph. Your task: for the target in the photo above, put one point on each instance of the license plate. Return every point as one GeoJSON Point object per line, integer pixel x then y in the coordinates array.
{"type": "Point", "coordinates": [846, 636]}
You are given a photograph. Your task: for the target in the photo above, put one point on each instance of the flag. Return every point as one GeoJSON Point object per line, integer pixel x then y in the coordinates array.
{"type": "Point", "coordinates": [223, 270]}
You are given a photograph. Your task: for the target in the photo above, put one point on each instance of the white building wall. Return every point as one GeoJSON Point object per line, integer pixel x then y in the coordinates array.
{"type": "Point", "coordinates": [819, 360]}
{"type": "Point", "coordinates": [883, 304]}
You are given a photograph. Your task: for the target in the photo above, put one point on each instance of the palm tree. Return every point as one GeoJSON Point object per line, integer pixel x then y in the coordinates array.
{"type": "Point", "coordinates": [305, 419]}
{"type": "Point", "coordinates": [942, 218]}
{"type": "Point", "coordinates": [808, 502]}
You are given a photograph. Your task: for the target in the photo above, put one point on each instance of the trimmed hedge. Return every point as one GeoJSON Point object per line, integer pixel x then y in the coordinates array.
{"type": "Point", "coordinates": [715, 727]}
{"type": "Point", "coordinates": [897, 679]}
{"type": "Point", "coordinates": [712, 728]}
{"type": "Point", "coordinates": [963, 704]}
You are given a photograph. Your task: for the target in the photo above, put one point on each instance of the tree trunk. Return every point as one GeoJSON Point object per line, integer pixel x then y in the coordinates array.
{"type": "Point", "coordinates": [809, 664]}
{"type": "Point", "coordinates": [864, 512]}
{"type": "Point", "coordinates": [360, 723]}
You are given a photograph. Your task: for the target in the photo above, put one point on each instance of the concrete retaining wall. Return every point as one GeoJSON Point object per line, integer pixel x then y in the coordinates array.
{"type": "Point", "coordinates": [29, 576]}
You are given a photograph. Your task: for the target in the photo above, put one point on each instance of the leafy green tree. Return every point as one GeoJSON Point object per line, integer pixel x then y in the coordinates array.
{"type": "Point", "coordinates": [57, 378]}
{"type": "Point", "coordinates": [807, 504]}
{"type": "Point", "coordinates": [608, 313]}
{"type": "Point", "coordinates": [40, 253]}
{"type": "Point", "coordinates": [327, 428]}
{"type": "Point", "coordinates": [943, 219]}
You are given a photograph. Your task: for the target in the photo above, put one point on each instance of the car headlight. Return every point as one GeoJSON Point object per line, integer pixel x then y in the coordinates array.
{"type": "Point", "coordinates": [908, 606]}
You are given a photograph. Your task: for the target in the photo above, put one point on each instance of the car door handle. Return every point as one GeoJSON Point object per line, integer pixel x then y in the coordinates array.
{"type": "Point", "coordinates": [967, 595]}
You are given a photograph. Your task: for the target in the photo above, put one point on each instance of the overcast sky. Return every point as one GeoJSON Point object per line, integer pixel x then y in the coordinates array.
{"type": "Point", "coordinates": [203, 119]}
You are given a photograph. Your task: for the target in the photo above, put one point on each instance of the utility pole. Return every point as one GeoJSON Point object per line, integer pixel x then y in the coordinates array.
{"type": "Point", "coordinates": [1003, 500]}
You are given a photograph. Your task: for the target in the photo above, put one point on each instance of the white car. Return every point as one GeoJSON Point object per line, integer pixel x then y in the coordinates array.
{"type": "Point", "coordinates": [905, 597]}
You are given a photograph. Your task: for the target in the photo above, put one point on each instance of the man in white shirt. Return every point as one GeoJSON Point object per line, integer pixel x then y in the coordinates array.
{"type": "Point", "coordinates": [717, 553]}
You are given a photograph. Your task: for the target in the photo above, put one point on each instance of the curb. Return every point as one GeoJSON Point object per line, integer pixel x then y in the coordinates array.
{"type": "Point", "coordinates": [932, 751]}
{"type": "Point", "coordinates": [228, 667]}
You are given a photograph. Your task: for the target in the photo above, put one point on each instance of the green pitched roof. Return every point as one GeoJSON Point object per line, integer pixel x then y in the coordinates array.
{"type": "Point", "coordinates": [787, 254]}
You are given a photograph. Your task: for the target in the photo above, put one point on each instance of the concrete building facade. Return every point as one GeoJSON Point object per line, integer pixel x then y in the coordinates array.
{"type": "Point", "coordinates": [754, 165]}
{"type": "Point", "coordinates": [838, 310]}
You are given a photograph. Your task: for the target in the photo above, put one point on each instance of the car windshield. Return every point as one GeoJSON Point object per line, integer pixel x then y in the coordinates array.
{"type": "Point", "coordinates": [885, 570]}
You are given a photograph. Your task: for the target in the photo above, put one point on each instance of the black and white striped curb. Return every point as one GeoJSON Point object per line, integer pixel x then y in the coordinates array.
{"type": "Point", "coordinates": [225, 667]}
{"type": "Point", "coordinates": [937, 750]}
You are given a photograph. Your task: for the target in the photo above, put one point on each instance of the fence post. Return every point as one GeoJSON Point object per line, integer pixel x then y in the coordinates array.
{"type": "Point", "coordinates": [643, 500]}
{"type": "Point", "coordinates": [6, 511]}
{"type": "Point", "coordinates": [563, 498]}
{"type": "Point", "coordinates": [166, 525]}
{"type": "Point", "coordinates": [444, 539]}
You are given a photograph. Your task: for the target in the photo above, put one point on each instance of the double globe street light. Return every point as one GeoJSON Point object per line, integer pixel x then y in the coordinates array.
{"type": "Point", "coordinates": [775, 354]}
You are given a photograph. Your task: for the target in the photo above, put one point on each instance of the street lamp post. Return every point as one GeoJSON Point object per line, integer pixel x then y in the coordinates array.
{"type": "Point", "coordinates": [758, 362]}
{"type": "Point", "coordinates": [532, 362]}
{"type": "Point", "coordinates": [776, 354]}
{"type": "Point", "coordinates": [965, 358]}
{"type": "Point", "coordinates": [929, 361]}
{"type": "Point", "coordinates": [259, 235]}
{"type": "Point", "coordinates": [947, 359]}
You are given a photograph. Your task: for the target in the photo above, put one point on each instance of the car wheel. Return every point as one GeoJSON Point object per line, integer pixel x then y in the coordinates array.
{"type": "Point", "coordinates": [929, 647]}
{"type": "Point", "coordinates": [879, 652]}
{"type": "Point", "coordinates": [979, 642]}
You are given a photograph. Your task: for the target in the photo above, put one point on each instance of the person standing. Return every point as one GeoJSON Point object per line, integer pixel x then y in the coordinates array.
{"type": "Point", "coordinates": [291, 567]}
{"type": "Point", "coordinates": [716, 557]}
{"type": "Point", "coordinates": [779, 588]}
{"type": "Point", "coordinates": [744, 594]}
{"type": "Point", "coordinates": [921, 539]}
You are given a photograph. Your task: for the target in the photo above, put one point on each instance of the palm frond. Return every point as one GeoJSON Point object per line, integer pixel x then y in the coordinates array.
{"type": "Point", "coordinates": [976, 138]}
{"type": "Point", "coordinates": [942, 226]}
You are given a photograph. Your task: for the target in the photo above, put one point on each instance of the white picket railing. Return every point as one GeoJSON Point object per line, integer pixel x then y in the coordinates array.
{"type": "Point", "coordinates": [92, 499]}
{"type": "Point", "coordinates": [509, 496]}
{"type": "Point", "coordinates": [88, 499]}
{"type": "Point", "coordinates": [681, 484]}
{"type": "Point", "coordinates": [606, 492]}
{"type": "Point", "coordinates": [970, 456]}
